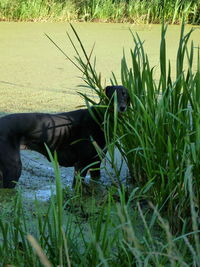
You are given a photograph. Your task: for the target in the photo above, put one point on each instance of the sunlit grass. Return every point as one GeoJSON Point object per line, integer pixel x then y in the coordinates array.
{"type": "Point", "coordinates": [146, 11]}
{"type": "Point", "coordinates": [162, 127]}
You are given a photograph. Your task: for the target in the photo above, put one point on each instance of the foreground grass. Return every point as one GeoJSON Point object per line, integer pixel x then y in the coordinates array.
{"type": "Point", "coordinates": [104, 229]}
{"type": "Point", "coordinates": [105, 10]}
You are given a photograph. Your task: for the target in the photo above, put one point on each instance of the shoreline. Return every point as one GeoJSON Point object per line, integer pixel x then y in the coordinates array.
{"type": "Point", "coordinates": [106, 11]}
{"type": "Point", "coordinates": [106, 21]}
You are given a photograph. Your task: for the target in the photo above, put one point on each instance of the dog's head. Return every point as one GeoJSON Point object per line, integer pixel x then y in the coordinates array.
{"type": "Point", "coordinates": [123, 98]}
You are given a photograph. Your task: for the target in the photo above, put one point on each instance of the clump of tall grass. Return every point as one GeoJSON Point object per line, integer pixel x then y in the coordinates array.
{"type": "Point", "coordinates": [161, 134]}
{"type": "Point", "coordinates": [137, 11]}
{"type": "Point", "coordinates": [37, 10]}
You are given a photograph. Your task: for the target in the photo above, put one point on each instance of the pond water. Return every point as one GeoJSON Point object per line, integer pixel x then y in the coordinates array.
{"type": "Point", "coordinates": [35, 76]}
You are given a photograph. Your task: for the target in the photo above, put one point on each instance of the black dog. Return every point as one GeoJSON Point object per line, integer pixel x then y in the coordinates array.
{"type": "Point", "coordinates": [70, 134]}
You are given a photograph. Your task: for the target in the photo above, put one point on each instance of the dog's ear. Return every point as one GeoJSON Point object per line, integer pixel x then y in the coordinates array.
{"type": "Point", "coordinates": [109, 91]}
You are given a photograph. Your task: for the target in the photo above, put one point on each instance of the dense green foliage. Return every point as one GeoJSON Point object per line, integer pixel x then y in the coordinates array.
{"type": "Point", "coordinates": [163, 127]}
{"type": "Point", "coordinates": [134, 11]}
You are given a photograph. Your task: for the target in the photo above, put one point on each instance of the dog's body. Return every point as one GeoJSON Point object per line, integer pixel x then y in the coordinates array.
{"type": "Point", "coordinates": [70, 134]}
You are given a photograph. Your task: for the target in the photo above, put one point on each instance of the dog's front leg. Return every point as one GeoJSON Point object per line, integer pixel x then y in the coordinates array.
{"type": "Point", "coordinates": [10, 174]}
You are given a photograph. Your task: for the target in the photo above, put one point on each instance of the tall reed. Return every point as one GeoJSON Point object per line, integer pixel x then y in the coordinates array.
{"type": "Point", "coordinates": [161, 133]}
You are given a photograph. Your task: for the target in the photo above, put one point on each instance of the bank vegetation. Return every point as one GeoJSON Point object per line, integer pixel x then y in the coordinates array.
{"type": "Point", "coordinates": [132, 11]}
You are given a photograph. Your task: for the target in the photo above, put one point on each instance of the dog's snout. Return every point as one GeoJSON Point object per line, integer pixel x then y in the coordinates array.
{"type": "Point", "coordinates": [122, 108]}
{"type": "Point", "coordinates": [122, 96]}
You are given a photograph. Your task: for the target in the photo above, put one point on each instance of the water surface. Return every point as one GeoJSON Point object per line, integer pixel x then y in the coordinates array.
{"type": "Point", "coordinates": [35, 76]}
